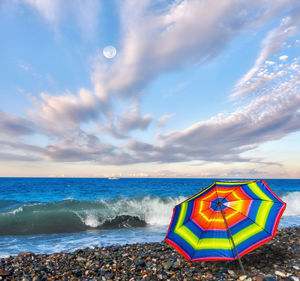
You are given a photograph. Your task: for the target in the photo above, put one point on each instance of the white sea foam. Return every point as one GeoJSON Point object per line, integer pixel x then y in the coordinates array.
{"type": "Point", "coordinates": [160, 213]}
{"type": "Point", "coordinates": [91, 220]}
{"type": "Point", "coordinates": [14, 211]}
{"type": "Point", "coordinates": [292, 201]}
{"type": "Point", "coordinates": [153, 210]}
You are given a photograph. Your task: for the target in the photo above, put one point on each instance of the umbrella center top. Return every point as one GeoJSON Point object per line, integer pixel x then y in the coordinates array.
{"type": "Point", "coordinates": [216, 203]}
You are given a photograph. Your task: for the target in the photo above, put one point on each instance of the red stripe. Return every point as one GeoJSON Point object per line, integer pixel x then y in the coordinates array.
{"type": "Point", "coordinates": [180, 250]}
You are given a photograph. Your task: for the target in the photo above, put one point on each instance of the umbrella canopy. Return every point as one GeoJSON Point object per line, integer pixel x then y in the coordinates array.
{"type": "Point", "coordinates": [225, 220]}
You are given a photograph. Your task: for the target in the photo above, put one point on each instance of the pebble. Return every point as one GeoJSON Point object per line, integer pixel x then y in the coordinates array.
{"type": "Point", "coordinates": [279, 259]}
{"type": "Point", "coordinates": [231, 272]}
{"type": "Point", "coordinates": [279, 273]}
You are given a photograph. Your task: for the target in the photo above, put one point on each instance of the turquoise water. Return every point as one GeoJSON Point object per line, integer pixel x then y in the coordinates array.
{"type": "Point", "coordinates": [46, 215]}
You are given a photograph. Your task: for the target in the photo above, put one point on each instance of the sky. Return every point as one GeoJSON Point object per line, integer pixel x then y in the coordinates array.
{"type": "Point", "coordinates": [187, 88]}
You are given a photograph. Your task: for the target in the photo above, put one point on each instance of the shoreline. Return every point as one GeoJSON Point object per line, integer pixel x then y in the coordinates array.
{"type": "Point", "coordinates": [278, 259]}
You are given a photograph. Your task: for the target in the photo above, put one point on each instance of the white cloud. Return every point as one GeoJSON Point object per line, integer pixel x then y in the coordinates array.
{"type": "Point", "coordinates": [156, 40]}
{"type": "Point", "coordinates": [283, 58]}
{"type": "Point", "coordinates": [185, 32]}
{"type": "Point", "coordinates": [274, 42]}
{"type": "Point", "coordinates": [224, 138]}
{"type": "Point", "coordinates": [56, 114]}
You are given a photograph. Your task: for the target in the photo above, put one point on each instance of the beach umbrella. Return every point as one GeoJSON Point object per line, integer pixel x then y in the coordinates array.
{"type": "Point", "coordinates": [225, 221]}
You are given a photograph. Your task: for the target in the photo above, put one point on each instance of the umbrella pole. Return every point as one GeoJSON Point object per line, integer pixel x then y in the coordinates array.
{"type": "Point", "coordinates": [237, 254]}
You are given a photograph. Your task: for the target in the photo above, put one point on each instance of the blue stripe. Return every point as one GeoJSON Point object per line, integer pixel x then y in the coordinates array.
{"type": "Point", "coordinates": [175, 218]}
{"type": "Point", "coordinates": [213, 253]}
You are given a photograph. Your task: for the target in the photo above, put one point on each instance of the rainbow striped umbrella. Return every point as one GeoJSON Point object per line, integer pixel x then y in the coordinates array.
{"type": "Point", "coordinates": [225, 221]}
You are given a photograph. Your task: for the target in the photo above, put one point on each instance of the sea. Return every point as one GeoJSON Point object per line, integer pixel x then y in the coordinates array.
{"type": "Point", "coordinates": [49, 215]}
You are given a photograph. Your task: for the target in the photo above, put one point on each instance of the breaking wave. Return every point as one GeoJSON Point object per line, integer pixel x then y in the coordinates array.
{"type": "Point", "coordinates": [292, 200]}
{"type": "Point", "coordinates": [70, 216]}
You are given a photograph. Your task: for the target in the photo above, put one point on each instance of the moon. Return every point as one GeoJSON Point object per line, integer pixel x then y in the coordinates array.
{"type": "Point", "coordinates": [109, 52]}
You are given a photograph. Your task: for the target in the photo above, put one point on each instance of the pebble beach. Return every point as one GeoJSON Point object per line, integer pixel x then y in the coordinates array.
{"type": "Point", "coordinates": [279, 259]}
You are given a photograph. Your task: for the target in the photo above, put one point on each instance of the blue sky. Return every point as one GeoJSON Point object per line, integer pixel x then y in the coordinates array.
{"type": "Point", "coordinates": [195, 90]}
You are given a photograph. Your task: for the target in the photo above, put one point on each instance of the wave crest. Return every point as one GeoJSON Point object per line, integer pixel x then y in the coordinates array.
{"type": "Point", "coordinates": [70, 215]}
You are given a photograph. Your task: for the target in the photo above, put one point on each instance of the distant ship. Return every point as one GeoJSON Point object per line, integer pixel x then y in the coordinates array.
{"type": "Point", "coordinates": [113, 178]}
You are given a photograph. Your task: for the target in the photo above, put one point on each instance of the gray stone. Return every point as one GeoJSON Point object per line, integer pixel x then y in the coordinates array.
{"type": "Point", "coordinates": [168, 265]}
